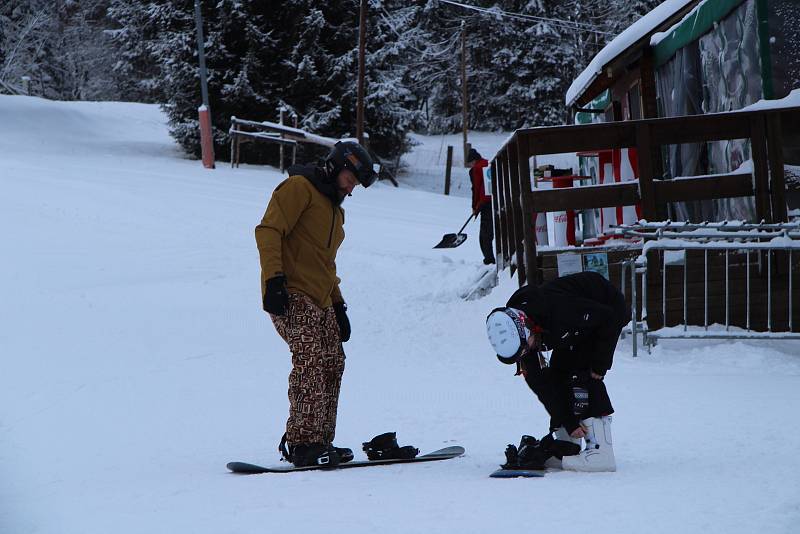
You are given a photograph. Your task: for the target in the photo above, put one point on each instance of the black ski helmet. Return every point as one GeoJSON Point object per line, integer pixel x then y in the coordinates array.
{"type": "Point", "coordinates": [351, 156]}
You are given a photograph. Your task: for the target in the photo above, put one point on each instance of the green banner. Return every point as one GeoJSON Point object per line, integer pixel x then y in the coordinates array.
{"type": "Point", "coordinates": [691, 28]}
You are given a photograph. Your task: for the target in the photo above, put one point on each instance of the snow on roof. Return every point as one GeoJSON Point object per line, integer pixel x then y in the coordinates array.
{"type": "Point", "coordinates": [621, 42]}
{"type": "Point", "coordinates": [660, 36]}
{"type": "Point", "coordinates": [792, 100]}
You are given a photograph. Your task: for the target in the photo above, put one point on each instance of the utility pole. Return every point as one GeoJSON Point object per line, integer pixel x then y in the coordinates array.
{"type": "Point", "coordinates": [465, 116]}
{"type": "Point", "coordinates": [206, 142]}
{"type": "Point", "coordinates": [362, 42]}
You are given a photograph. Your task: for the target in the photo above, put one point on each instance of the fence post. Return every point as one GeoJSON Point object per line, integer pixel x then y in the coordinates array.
{"type": "Point", "coordinates": [760, 167]}
{"type": "Point", "coordinates": [448, 169]}
{"type": "Point", "coordinates": [508, 221]}
{"type": "Point", "coordinates": [498, 221]}
{"type": "Point", "coordinates": [282, 112]}
{"type": "Point", "coordinates": [516, 209]}
{"type": "Point", "coordinates": [777, 179]}
{"type": "Point", "coordinates": [634, 320]}
{"type": "Point", "coordinates": [644, 149]}
{"type": "Point", "coordinates": [294, 147]}
{"type": "Point", "coordinates": [233, 137]}
{"type": "Point", "coordinates": [528, 217]}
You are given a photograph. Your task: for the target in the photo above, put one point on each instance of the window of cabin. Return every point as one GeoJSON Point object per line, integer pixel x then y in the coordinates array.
{"type": "Point", "coordinates": [635, 102]}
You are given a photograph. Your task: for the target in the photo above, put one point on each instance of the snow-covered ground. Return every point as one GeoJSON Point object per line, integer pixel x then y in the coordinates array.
{"type": "Point", "coordinates": [136, 362]}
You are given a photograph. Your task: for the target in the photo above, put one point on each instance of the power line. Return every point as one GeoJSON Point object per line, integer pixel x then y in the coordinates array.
{"type": "Point", "coordinates": [521, 16]}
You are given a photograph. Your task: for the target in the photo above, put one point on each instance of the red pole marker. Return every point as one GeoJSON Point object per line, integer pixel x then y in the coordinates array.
{"type": "Point", "coordinates": [206, 144]}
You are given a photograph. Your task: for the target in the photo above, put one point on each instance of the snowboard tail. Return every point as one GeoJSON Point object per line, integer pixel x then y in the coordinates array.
{"type": "Point", "coordinates": [447, 453]}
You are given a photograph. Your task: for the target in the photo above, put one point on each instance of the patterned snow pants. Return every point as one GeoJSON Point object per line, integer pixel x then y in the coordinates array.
{"type": "Point", "coordinates": [317, 367]}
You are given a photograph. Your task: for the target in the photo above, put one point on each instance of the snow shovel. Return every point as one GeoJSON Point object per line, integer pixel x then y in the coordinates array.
{"type": "Point", "coordinates": [453, 240]}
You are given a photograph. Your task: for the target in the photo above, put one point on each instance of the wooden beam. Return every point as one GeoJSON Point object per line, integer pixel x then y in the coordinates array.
{"type": "Point", "coordinates": [504, 213]}
{"type": "Point", "coordinates": [622, 134]}
{"type": "Point", "coordinates": [516, 210]}
{"type": "Point", "coordinates": [528, 221]}
{"type": "Point", "coordinates": [647, 87]}
{"type": "Point", "coordinates": [705, 188]}
{"type": "Point", "coordinates": [700, 128]}
{"type": "Point", "coordinates": [587, 197]}
{"type": "Point", "coordinates": [760, 167]}
{"type": "Point", "coordinates": [586, 137]}
{"type": "Point", "coordinates": [777, 179]}
{"type": "Point", "coordinates": [501, 258]}
{"type": "Point", "coordinates": [644, 151]}
{"type": "Point", "coordinates": [498, 228]}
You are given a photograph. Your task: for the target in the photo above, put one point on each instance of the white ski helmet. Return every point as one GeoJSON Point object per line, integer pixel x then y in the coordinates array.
{"type": "Point", "coordinates": [507, 333]}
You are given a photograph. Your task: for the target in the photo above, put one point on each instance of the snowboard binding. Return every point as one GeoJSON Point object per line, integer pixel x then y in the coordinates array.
{"type": "Point", "coordinates": [532, 453]}
{"type": "Point", "coordinates": [385, 447]}
{"type": "Point", "coordinates": [313, 454]}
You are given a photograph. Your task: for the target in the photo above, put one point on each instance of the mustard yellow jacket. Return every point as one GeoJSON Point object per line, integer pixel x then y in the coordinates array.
{"type": "Point", "coordinates": [299, 236]}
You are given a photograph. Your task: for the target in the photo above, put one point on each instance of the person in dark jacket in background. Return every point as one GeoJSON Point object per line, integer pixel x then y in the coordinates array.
{"type": "Point", "coordinates": [481, 203]}
{"type": "Point", "coordinates": [579, 317]}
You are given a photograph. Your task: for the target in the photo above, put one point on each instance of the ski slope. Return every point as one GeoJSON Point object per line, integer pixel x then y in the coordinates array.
{"type": "Point", "coordinates": [136, 362]}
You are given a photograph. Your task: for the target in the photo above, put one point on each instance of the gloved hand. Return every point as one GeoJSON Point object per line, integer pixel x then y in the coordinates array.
{"type": "Point", "coordinates": [276, 298]}
{"type": "Point", "coordinates": [340, 309]}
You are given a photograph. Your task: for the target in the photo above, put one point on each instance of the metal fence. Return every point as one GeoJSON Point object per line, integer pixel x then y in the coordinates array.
{"type": "Point", "coordinates": [761, 260]}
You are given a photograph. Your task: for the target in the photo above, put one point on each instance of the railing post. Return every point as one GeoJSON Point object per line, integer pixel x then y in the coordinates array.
{"type": "Point", "coordinates": [233, 137]}
{"type": "Point", "coordinates": [633, 305]}
{"type": "Point", "coordinates": [516, 208]}
{"type": "Point", "coordinates": [498, 223]}
{"type": "Point", "coordinates": [294, 148]}
{"type": "Point", "coordinates": [528, 217]}
{"type": "Point", "coordinates": [508, 214]}
{"type": "Point", "coordinates": [501, 202]}
{"type": "Point", "coordinates": [777, 179]}
{"type": "Point", "coordinates": [760, 167]}
{"type": "Point", "coordinates": [644, 149]}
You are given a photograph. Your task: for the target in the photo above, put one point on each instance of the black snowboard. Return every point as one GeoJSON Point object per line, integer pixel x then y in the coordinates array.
{"type": "Point", "coordinates": [252, 469]}
{"type": "Point", "coordinates": [517, 473]}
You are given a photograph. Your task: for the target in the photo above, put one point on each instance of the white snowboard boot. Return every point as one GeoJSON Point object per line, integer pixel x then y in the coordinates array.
{"type": "Point", "coordinates": [561, 434]}
{"type": "Point", "coordinates": [599, 452]}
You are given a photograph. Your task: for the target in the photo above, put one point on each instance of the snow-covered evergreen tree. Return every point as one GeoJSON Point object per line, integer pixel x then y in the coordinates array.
{"type": "Point", "coordinates": [60, 45]}
{"type": "Point", "coordinates": [521, 57]}
{"type": "Point", "coordinates": [301, 55]}
{"type": "Point", "coordinates": [25, 27]}
{"type": "Point", "coordinates": [135, 70]}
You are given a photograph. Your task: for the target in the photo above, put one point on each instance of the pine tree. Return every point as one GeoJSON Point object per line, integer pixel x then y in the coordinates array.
{"type": "Point", "coordinates": [26, 27]}
{"type": "Point", "coordinates": [135, 70]}
{"type": "Point", "coordinates": [301, 57]}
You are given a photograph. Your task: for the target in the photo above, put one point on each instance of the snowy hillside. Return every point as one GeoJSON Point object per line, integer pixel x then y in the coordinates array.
{"type": "Point", "coordinates": [136, 362]}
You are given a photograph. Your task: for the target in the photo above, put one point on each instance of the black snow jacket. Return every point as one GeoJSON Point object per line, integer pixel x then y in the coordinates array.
{"type": "Point", "coordinates": [581, 316]}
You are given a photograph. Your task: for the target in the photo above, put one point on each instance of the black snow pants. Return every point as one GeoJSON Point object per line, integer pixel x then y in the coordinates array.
{"type": "Point", "coordinates": [568, 395]}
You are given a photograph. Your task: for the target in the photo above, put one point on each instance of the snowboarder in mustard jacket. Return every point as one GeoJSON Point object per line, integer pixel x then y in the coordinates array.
{"type": "Point", "coordinates": [579, 317]}
{"type": "Point", "coordinates": [297, 240]}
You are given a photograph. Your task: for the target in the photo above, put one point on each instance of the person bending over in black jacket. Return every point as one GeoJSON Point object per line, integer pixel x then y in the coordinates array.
{"type": "Point", "coordinates": [579, 317]}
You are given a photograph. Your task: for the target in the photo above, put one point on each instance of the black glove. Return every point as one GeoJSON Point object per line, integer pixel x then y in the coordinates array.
{"type": "Point", "coordinates": [276, 297]}
{"type": "Point", "coordinates": [340, 309]}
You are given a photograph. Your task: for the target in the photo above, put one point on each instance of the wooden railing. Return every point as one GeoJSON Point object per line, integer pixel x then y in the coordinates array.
{"type": "Point", "coordinates": [516, 204]}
